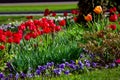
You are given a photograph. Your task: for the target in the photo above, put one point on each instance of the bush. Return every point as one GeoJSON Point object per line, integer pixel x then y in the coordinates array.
{"type": "Point", "coordinates": [103, 45]}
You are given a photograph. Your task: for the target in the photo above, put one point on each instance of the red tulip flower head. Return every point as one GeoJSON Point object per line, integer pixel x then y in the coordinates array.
{"type": "Point", "coordinates": [53, 14]}
{"type": "Point", "coordinates": [2, 47]}
{"type": "Point", "coordinates": [112, 10]}
{"type": "Point", "coordinates": [29, 17]}
{"type": "Point", "coordinates": [113, 18]}
{"type": "Point", "coordinates": [113, 26]}
{"type": "Point", "coordinates": [62, 22]}
{"type": "Point", "coordinates": [65, 14]}
{"type": "Point", "coordinates": [46, 12]}
{"type": "Point", "coordinates": [57, 28]}
{"type": "Point", "coordinates": [118, 61]}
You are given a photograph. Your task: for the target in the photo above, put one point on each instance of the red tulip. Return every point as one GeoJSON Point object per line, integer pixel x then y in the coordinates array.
{"type": "Point", "coordinates": [112, 10]}
{"type": "Point", "coordinates": [113, 26]}
{"type": "Point", "coordinates": [53, 14]}
{"type": "Point", "coordinates": [37, 22]}
{"type": "Point", "coordinates": [28, 23]}
{"type": "Point", "coordinates": [2, 47]}
{"type": "Point", "coordinates": [57, 28]}
{"type": "Point", "coordinates": [52, 25]}
{"type": "Point", "coordinates": [16, 40]}
{"type": "Point", "coordinates": [46, 24]}
{"type": "Point", "coordinates": [50, 21]}
{"type": "Point", "coordinates": [46, 12]}
{"type": "Point", "coordinates": [65, 13]}
{"type": "Point", "coordinates": [29, 17]}
{"type": "Point", "coordinates": [119, 15]}
{"type": "Point", "coordinates": [10, 40]}
{"type": "Point", "coordinates": [74, 11]}
{"type": "Point", "coordinates": [113, 18]}
{"type": "Point", "coordinates": [39, 32]}
{"type": "Point", "coordinates": [1, 31]}
{"type": "Point", "coordinates": [8, 33]}
{"type": "Point", "coordinates": [22, 27]}
{"type": "Point", "coordinates": [46, 30]}
{"type": "Point", "coordinates": [34, 35]}
{"type": "Point", "coordinates": [2, 38]}
{"type": "Point", "coordinates": [17, 35]}
{"type": "Point", "coordinates": [62, 23]}
{"type": "Point", "coordinates": [75, 19]}
{"type": "Point", "coordinates": [44, 19]}
{"type": "Point", "coordinates": [32, 27]}
{"type": "Point", "coordinates": [118, 61]}
{"type": "Point", "coordinates": [27, 37]}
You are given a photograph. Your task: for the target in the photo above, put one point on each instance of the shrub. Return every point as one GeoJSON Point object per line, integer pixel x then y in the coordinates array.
{"type": "Point", "coordinates": [103, 45]}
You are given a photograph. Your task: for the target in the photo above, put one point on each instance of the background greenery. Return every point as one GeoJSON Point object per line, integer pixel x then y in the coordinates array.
{"type": "Point", "coordinates": [24, 8]}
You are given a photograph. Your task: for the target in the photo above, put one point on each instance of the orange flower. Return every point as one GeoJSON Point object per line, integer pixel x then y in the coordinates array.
{"type": "Point", "coordinates": [88, 17]}
{"type": "Point", "coordinates": [98, 9]}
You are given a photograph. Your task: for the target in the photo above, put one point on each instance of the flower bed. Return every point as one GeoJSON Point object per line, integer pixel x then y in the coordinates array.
{"type": "Point", "coordinates": [53, 45]}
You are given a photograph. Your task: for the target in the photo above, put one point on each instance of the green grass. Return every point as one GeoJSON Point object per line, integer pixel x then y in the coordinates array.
{"type": "Point", "coordinates": [105, 74]}
{"type": "Point", "coordinates": [24, 8]}
{"type": "Point", "coordinates": [8, 19]}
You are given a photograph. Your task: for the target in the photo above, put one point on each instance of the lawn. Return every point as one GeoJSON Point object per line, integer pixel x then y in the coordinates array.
{"type": "Point", "coordinates": [105, 74]}
{"type": "Point", "coordinates": [24, 8]}
{"type": "Point", "coordinates": [8, 19]}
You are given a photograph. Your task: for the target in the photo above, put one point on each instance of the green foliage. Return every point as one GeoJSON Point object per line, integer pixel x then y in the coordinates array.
{"type": "Point", "coordinates": [34, 7]}
{"type": "Point", "coordinates": [62, 48]}
{"type": "Point", "coordinates": [4, 58]}
{"type": "Point", "coordinates": [103, 44]}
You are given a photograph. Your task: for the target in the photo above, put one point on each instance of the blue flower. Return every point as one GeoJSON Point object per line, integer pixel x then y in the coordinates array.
{"type": "Point", "coordinates": [66, 72]}
{"type": "Point", "coordinates": [81, 55]}
{"type": "Point", "coordinates": [42, 68]}
{"type": "Point", "coordinates": [1, 75]}
{"type": "Point", "coordinates": [6, 78]}
{"type": "Point", "coordinates": [10, 75]}
{"type": "Point", "coordinates": [29, 75]}
{"type": "Point", "coordinates": [72, 66]}
{"type": "Point", "coordinates": [17, 76]}
{"type": "Point", "coordinates": [106, 66]}
{"type": "Point", "coordinates": [81, 64]}
{"type": "Point", "coordinates": [92, 56]}
{"type": "Point", "coordinates": [66, 63]}
{"type": "Point", "coordinates": [57, 71]}
{"type": "Point", "coordinates": [50, 64]}
{"type": "Point", "coordinates": [87, 63]}
{"type": "Point", "coordinates": [72, 62]}
{"type": "Point", "coordinates": [94, 64]}
{"type": "Point", "coordinates": [38, 72]}
{"type": "Point", "coordinates": [22, 75]}
{"type": "Point", "coordinates": [112, 65]}
{"type": "Point", "coordinates": [62, 65]}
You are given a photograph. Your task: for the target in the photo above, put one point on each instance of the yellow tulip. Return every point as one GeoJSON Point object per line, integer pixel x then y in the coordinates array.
{"type": "Point", "coordinates": [98, 9]}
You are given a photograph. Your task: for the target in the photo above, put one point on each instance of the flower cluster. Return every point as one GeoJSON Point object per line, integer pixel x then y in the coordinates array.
{"type": "Point", "coordinates": [48, 12]}
{"type": "Point", "coordinates": [51, 69]}
{"type": "Point", "coordinates": [29, 29]}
